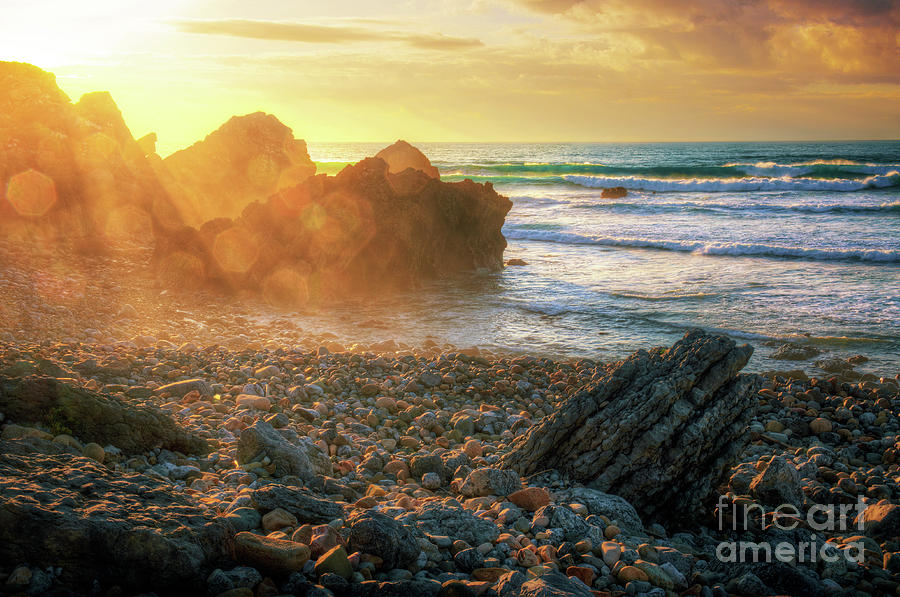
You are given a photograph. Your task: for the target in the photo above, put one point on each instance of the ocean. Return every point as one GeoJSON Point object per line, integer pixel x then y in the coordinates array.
{"type": "Point", "coordinates": [766, 242]}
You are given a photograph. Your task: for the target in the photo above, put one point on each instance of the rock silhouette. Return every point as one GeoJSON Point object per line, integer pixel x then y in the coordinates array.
{"type": "Point", "coordinates": [72, 171]}
{"type": "Point", "coordinates": [401, 155]}
{"type": "Point", "coordinates": [658, 429]}
{"type": "Point", "coordinates": [362, 229]}
{"type": "Point", "coordinates": [246, 159]}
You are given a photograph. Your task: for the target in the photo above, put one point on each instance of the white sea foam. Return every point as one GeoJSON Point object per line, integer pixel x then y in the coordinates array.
{"type": "Point", "coordinates": [709, 248]}
{"type": "Point", "coordinates": [718, 185]}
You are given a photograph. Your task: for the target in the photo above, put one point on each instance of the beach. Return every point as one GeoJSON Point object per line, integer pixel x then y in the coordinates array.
{"type": "Point", "coordinates": [393, 435]}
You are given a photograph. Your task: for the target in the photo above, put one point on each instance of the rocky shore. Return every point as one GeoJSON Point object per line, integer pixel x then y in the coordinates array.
{"type": "Point", "coordinates": [161, 451]}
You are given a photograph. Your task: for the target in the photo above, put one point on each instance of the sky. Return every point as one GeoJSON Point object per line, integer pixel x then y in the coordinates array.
{"type": "Point", "coordinates": [478, 70]}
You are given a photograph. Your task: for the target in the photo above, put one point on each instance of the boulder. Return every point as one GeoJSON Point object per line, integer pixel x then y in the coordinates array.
{"type": "Point", "coordinates": [94, 417]}
{"type": "Point", "coordinates": [378, 534]}
{"type": "Point", "coordinates": [401, 155]}
{"type": "Point", "coordinates": [452, 520]}
{"type": "Point", "coordinates": [245, 160]}
{"type": "Point", "coordinates": [490, 481]}
{"type": "Point", "coordinates": [304, 459]}
{"type": "Point", "coordinates": [613, 507]}
{"type": "Point", "coordinates": [334, 235]}
{"type": "Point", "coordinates": [880, 521]}
{"type": "Point", "coordinates": [778, 483]}
{"type": "Point", "coordinates": [179, 388]}
{"type": "Point", "coordinates": [657, 429]}
{"type": "Point", "coordinates": [553, 584]}
{"type": "Point", "coordinates": [275, 556]}
{"type": "Point", "coordinates": [102, 526]}
{"type": "Point", "coordinates": [795, 352]}
{"type": "Point", "coordinates": [298, 502]}
{"type": "Point", "coordinates": [614, 193]}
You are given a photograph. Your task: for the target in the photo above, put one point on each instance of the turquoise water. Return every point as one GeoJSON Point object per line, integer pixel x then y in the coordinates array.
{"type": "Point", "coordinates": [763, 241]}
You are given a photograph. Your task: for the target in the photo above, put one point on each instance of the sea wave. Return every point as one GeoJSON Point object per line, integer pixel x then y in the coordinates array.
{"type": "Point", "coordinates": [826, 169]}
{"type": "Point", "coordinates": [824, 208]}
{"type": "Point", "coordinates": [737, 184]}
{"type": "Point", "coordinates": [709, 248]}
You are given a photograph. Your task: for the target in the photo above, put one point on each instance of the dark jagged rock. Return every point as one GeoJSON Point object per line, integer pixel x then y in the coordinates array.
{"type": "Point", "coordinates": [125, 530]}
{"type": "Point", "coordinates": [94, 417]}
{"type": "Point", "coordinates": [246, 159]}
{"type": "Point", "coordinates": [401, 155]}
{"type": "Point", "coordinates": [72, 171]}
{"type": "Point", "coordinates": [362, 229]}
{"type": "Point", "coordinates": [658, 429]}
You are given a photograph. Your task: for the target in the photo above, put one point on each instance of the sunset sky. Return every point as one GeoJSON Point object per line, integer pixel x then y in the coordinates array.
{"type": "Point", "coordinates": [479, 70]}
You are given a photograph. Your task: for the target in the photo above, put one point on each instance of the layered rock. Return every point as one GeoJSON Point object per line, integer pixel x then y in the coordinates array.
{"type": "Point", "coordinates": [102, 528]}
{"type": "Point", "coordinates": [246, 159]}
{"type": "Point", "coordinates": [362, 229]}
{"type": "Point", "coordinates": [94, 417]}
{"type": "Point", "coordinates": [657, 429]}
{"type": "Point", "coordinates": [72, 170]}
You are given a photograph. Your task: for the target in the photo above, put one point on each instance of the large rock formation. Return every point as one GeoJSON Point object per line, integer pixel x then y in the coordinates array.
{"type": "Point", "coordinates": [94, 417]}
{"type": "Point", "coordinates": [72, 171]}
{"type": "Point", "coordinates": [658, 429]}
{"type": "Point", "coordinates": [245, 160]}
{"type": "Point", "coordinates": [362, 229]}
{"type": "Point", "coordinates": [102, 528]}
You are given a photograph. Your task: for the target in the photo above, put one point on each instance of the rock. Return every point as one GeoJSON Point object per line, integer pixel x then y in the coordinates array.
{"type": "Point", "coordinates": [553, 584]}
{"type": "Point", "coordinates": [613, 507]}
{"type": "Point", "coordinates": [253, 402]}
{"type": "Point", "coordinates": [92, 417]}
{"type": "Point", "coordinates": [73, 171]}
{"type": "Point", "coordinates": [833, 365]}
{"type": "Point", "coordinates": [401, 155]}
{"type": "Point", "coordinates": [430, 379]}
{"type": "Point", "coordinates": [880, 521]}
{"type": "Point", "coordinates": [247, 159]}
{"type": "Point", "coordinates": [436, 518]}
{"type": "Point", "coordinates": [516, 262]}
{"type": "Point", "coordinates": [94, 452]}
{"type": "Point", "coordinates": [334, 561]}
{"type": "Point", "coordinates": [389, 230]}
{"type": "Point", "coordinates": [377, 534]}
{"type": "Point", "coordinates": [298, 502]}
{"type": "Point", "coordinates": [530, 498]}
{"type": "Point", "coordinates": [274, 556]}
{"type": "Point", "coordinates": [748, 585]}
{"type": "Point", "coordinates": [820, 425]}
{"type": "Point", "coordinates": [431, 481]}
{"type": "Point", "coordinates": [490, 481]}
{"type": "Point", "coordinates": [574, 527]}
{"type": "Point", "coordinates": [468, 559]}
{"type": "Point", "coordinates": [278, 519]}
{"type": "Point", "coordinates": [455, 588]}
{"type": "Point", "coordinates": [179, 388]}
{"type": "Point", "coordinates": [795, 352]}
{"type": "Point", "coordinates": [303, 459]}
{"type": "Point", "coordinates": [244, 519]}
{"type": "Point", "coordinates": [779, 483]}
{"type": "Point", "coordinates": [614, 193]}
{"type": "Point", "coordinates": [104, 526]}
{"type": "Point", "coordinates": [658, 429]}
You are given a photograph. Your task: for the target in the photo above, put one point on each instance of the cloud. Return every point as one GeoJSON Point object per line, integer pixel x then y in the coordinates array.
{"type": "Point", "coordinates": [321, 34]}
{"type": "Point", "coordinates": [824, 39]}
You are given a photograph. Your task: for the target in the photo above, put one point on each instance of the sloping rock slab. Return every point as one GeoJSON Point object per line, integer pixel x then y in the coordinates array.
{"type": "Point", "coordinates": [658, 429]}
{"type": "Point", "coordinates": [94, 417]}
{"type": "Point", "coordinates": [123, 530]}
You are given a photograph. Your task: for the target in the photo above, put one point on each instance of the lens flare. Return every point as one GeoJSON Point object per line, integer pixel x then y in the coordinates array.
{"type": "Point", "coordinates": [235, 250]}
{"type": "Point", "coordinates": [31, 193]}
